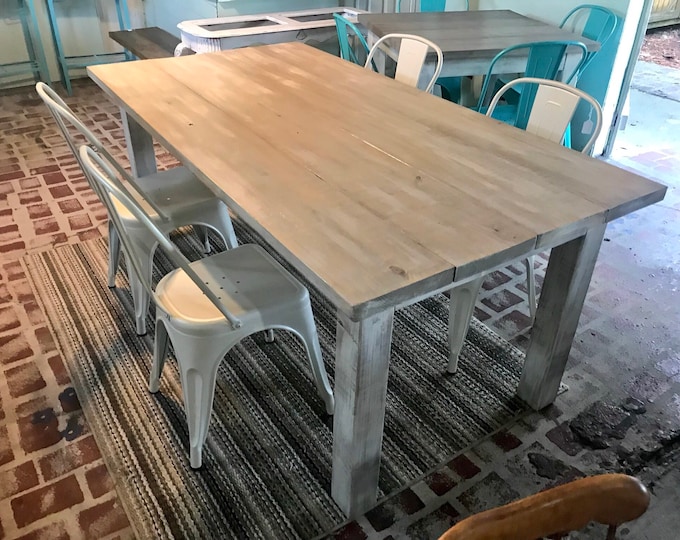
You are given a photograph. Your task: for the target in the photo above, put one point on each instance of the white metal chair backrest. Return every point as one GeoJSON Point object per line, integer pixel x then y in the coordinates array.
{"type": "Point", "coordinates": [553, 109]}
{"type": "Point", "coordinates": [64, 117]}
{"type": "Point", "coordinates": [412, 53]}
{"type": "Point", "coordinates": [103, 172]}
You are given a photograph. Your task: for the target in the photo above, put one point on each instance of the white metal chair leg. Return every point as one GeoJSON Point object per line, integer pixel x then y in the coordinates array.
{"type": "Point", "coordinates": [198, 359]}
{"type": "Point", "coordinates": [531, 285]}
{"type": "Point", "coordinates": [114, 254]}
{"type": "Point", "coordinates": [202, 232]}
{"type": "Point", "coordinates": [306, 330]}
{"type": "Point", "coordinates": [461, 308]}
{"type": "Point", "coordinates": [140, 296]}
{"type": "Point", "coordinates": [221, 222]}
{"type": "Point", "coordinates": [160, 353]}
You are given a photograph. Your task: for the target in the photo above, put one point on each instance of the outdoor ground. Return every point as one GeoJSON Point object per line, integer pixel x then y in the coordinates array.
{"type": "Point", "coordinates": [662, 46]}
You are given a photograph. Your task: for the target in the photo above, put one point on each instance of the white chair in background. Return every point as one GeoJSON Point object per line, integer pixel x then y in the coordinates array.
{"type": "Point", "coordinates": [551, 113]}
{"type": "Point", "coordinates": [413, 51]}
{"type": "Point", "coordinates": [206, 307]}
{"type": "Point", "coordinates": [175, 197]}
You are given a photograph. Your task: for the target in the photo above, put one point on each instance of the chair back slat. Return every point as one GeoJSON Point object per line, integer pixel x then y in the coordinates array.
{"type": "Point", "coordinates": [552, 111]}
{"type": "Point", "coordinates": [67, 121]}
{"type": "Point", "coordinates": [413, 51]}
{"type": "Point", "coordinates": [412, 55]}
{"type": "Point", "coordinates": [104, 173]}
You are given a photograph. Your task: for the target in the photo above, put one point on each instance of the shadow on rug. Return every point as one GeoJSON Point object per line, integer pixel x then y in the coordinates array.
{"type": "Point", "coordinates": [267, 460]}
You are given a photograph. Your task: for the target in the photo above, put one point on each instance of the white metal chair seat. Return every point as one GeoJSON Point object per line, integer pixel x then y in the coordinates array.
{"type": "Point", "coordinates": [206, 307]}
{"type": "Point", "coordinates": [253, 287]}
{"type": "Point", "coordinates": [174, 197]}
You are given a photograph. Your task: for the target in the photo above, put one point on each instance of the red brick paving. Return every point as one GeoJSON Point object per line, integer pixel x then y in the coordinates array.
{"type": "Point", "coordinates": [53, 482]}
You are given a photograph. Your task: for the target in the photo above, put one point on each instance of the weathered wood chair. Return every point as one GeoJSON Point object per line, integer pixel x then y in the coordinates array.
{"type": "Point", "coordinates": [609, 499]}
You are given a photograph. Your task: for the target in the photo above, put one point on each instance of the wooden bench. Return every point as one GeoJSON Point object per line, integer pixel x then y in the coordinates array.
{"type": "Point", "coordinates": [144, 43]}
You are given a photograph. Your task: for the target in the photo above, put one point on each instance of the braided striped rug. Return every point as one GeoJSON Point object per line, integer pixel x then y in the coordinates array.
{"type": "Point", "coordinates": [267, 461]}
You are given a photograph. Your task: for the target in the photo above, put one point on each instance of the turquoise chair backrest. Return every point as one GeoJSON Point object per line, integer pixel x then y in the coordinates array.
{"type": "Point", "coordinates": [599, 26]}
{"type": "Point", "coordinates": [430, 5]}
{"type": "Point", "coordinates": [544, 61]}
{"type": "Point", "coordinates": [347, 52]}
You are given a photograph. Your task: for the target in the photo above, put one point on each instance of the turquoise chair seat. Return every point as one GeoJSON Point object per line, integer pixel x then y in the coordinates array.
{"type": "Point", "coordinates": [506, 113]}
{"type": "Point", "coordinates": [450, 87]}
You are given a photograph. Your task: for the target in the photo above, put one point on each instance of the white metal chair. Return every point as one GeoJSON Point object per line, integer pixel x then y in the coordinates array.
{"type": "Point", "coordinates": [206, 307]}
{"type": "Point", "coordinates": [175, 197]}
{"type": "Point", "coordinates": [551, 113]}
{"type": "Point", "coordinates": [552, 110]}
{"type": "Point", "coordinates": [412, 54]}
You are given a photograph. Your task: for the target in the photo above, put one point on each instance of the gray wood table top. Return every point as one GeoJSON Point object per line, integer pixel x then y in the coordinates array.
{"type": "Point", "coordinates": [370, 187]}
{"type": "Point", "coordinates": [470, 33]}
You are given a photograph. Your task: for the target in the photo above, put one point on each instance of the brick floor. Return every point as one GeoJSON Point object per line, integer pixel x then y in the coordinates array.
{"type": "Point", "coordinates": [54, 484]}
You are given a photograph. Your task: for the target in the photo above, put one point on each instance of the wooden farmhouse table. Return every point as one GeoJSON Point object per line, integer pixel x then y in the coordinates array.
{"type": "Point", "coordinates": [471, 39]}
{"type": "Point", "coordinates": [380, 195]}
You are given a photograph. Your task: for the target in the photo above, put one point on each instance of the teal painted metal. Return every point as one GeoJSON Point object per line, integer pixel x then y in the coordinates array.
{"type": "Point", "coordinates": [595, 79]}
{"type": "Point", "coordinates": [430, 5]}
{"type": "Point", "coordinates": [36, 65]}
{"type": "Point", "coordinates": [543, 62]}
{"type": "Point", "coordinates": [67, 63]}
{"type": "Point", "coordinates": [347, 52]}
{"type": "Point", "coordinates": [600, 26]}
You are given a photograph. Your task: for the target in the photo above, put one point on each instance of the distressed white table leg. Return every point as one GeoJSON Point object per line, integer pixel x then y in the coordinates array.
{"type": "Point", "coordinates": [461, 308]}
{"type": "Point", "coordinates": [564, 290]}
{"type": "Point", "coordinates": [140, 147]}
{"type": "Point", "coordinates": [361, 370]}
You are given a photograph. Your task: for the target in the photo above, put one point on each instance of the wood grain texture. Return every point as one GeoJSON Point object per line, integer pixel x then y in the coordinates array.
{"type": "Point", "coordinates": [470, 34]}
{"type": "Point", "coordinates": [610, 499]}
{"type": "Point", "coordinates": [374, 190]}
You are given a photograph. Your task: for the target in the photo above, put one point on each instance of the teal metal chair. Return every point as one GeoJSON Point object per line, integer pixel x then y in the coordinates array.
{"type": "Point", "coordinates": [600, 25]}
{"type": "Point", "coordinates": [544, 61]}
{"type": "Point", "coordinates": [346, 29]}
